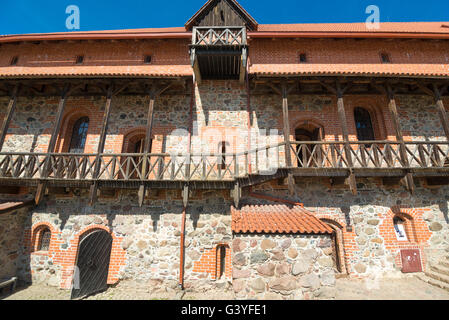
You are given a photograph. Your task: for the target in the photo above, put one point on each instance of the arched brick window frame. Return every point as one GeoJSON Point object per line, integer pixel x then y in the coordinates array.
{"type": "Point", "coordinates": [132, 137]}
{"type": "Point", "coordinates": [377, 119]}
{"type": "Point", "coordinates": [38, 232]}
{"type": "Point", "coordinates": [308, 124]}
{"type": "Point", "coordinates": [210, 262]}
{"type": "Point", "coordinates": [418, 233]}
{"type": "Point", "coordinates": [222, 261]}
{"type": "Point", "coordinates": [313, 130]}
{"type": "Point", "coordinates": [68, 123]}
{"type": "Point", "coordinates": [407, 221]}
{"type": "Point", "coordinates": [339, 244]}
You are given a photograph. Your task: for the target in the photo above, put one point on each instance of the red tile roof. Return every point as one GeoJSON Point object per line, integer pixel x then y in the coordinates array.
{"type": "Point", "coordinates": [276, 219]}
{"type": "Point", "coordinates": [96, 71]}
{"type": "Point", "coordinates": [387, 27]}
{"type": "Point", "coordinates": [6, 207]}
{"type": "Point", "coordinates": [365, 69]}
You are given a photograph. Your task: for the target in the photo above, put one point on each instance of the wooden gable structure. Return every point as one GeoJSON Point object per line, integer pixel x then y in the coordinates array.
{"type": "Point", "coordinates": [222, 13]}
{"type": "Point", "coordinates": [219, 48]}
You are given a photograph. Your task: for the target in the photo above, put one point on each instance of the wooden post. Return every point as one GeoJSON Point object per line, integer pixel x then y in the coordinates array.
{"type": "Point", "coordinates": [344, 128]}
{"type": "Point", "coordinates": [147, 144]}
{"type": "Point", "coordinates": [107, 111]}
{"type": "Point", "coordinates": [51, 145]}
{"type": "Point", "coordinates": [8, 116]}
{"type": "Point", "coordinates": [288, 158]}
{"type": "Point", "coordinates": [441, 111]}
{"type": "Point", "coordinates": [410, 185]}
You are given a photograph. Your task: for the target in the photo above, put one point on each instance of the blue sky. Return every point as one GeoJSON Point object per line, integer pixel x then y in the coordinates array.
{"type": "Point", "coordinates": [31, 16]}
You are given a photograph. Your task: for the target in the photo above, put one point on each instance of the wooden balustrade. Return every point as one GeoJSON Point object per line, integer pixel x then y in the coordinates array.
{"type": "Point", "coordinates": [223, 167]}
{"type": "Point", "coordinates": [219, 36]}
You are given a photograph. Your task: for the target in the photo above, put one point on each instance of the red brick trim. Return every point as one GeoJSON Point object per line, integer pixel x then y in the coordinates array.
{"type": "Point", "coordinates": [69, 119]}
{"type": "Point", "coordinates": [210, 262]}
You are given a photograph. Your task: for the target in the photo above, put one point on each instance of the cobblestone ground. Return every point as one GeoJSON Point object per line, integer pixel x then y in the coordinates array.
{"type": "Point", "coordinates": [121, 291]}
{"type": "Point", "coordinates": [347, 289]}
{"type": "Point", "coordinates": [409, 288]}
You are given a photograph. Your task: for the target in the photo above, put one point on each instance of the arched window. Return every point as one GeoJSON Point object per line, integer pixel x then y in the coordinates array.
{"type": "Point", "coordinates": [44, 237]}
{"type": "Point", "coordinates": [308, 155]}
{"type": "Point", "coordinates": [399, 228]}
{"type": "Point", "coordinates": [221, 261]}
{"type": "Point", "coordinates": [79, 135]}
{"type": "Point", "coordinates": [222, 151]}
{"type": "Point", "coordinates": [363, 124]}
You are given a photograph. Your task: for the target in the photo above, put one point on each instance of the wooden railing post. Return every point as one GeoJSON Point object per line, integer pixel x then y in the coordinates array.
{"type": "Point", "coordinates": [441, 111]}
{"type": "Point", "coordinates": [344, 128]}
{"type": "Point", "coordinates": [9, 113]}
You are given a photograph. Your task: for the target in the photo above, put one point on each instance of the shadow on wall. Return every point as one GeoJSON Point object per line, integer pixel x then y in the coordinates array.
{"type": "Point", "coordinates": [444, 209]}
{"type": "Point", "coordinates": [14, 259]}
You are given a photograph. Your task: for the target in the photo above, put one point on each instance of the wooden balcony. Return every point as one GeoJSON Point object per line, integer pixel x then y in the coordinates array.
{"type": "Point", "coordinates": [219, 53]}
{"type": "Point", "coordinates": [316, 159]}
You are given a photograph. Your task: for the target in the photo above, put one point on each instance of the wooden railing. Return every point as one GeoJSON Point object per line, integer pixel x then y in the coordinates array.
{"type": "Point", "coordinates": [370, 154]}
{"type": "Point", "coordinates": [222, 167]}
{"type": "Point", "coordinates": [219, 36]}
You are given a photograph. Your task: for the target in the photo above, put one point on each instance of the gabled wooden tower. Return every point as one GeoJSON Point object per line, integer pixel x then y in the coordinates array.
{"type": "Point", "coordinates": [219, 49]}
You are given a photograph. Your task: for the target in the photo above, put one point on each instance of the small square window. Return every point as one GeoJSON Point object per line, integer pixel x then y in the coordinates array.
{"type": "Point", "coordinates": [147, 59]}
{"type": "Point", "coordinates": [302, 58]}
{"type": "Point", "coordinates": [79, 59]}
{"type": "Point", "coordinates": [14, 60]}
{"type": "Point", "coordinates": [385, 58]}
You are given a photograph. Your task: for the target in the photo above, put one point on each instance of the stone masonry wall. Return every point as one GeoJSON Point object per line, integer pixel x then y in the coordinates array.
{"type": "Point", "coordinates": [146, 240]}
{"type": "Point", "coordinates": [11, 233]}
{"type": "Point", "coordinates": [370, 245]}
{"type": "Point", "coordinates": [283, 267]}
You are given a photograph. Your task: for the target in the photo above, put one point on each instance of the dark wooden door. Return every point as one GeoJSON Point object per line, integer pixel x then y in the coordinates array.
{"type": "Point", "coordinates": [411, 261]}
{"type": "Point", "coordinates": [92, 264]}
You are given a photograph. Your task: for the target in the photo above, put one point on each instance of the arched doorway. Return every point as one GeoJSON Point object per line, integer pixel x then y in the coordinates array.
{"type": "Point", "coordinates": [134, 144]}
{"type": "Point", "coordinates": [307, 154]}
{"type": "Point", "coordinates": [92, 264]}
{"type": "Point", "coordinates": [338, 256]}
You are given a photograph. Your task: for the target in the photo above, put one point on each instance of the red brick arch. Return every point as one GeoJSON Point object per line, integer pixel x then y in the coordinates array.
{"type": "Point", "coordinates": [418, 232]}
{"type": "Point", "coordinates": [67, 124]}
{"type": "Point", "coordinates": [35, 236]}
{"type": "Point", "coordinates": [339, 234]}
{"type": "Point", "coordinates": [131, 136]}
{"type": "Point", "coordinates": [309, 122]}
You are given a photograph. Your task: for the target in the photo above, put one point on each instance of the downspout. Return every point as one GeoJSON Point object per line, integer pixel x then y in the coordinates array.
{"type": "Point", "coordinates": [183, 219]}
{"type": "Point", "coordinates": [248, 110]}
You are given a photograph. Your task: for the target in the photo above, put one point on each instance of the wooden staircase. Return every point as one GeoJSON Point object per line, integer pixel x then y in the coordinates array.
{"type": "Point", "coordinates": [438, 274]}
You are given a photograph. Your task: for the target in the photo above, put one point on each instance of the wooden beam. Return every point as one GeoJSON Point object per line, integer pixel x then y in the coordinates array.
{"type": "Point", "coordinates": [409, 183]}
{"type": "Point", "coordinates": [147, 145]}
{"type": "Point", "coordinates": [237, 194]}
{"type": "Point", "coordinates": [286, 129]}
{"type": "Point", "coordinates": [107, 111]}
{"type": "Point", "coordinates": [9, 113]}
{"type": "Point", "coordinates": [40, 192]}
{"type": "Point", "coordinates": [441, 111]}
{"type": "Point", "coordinates": [185, 195]}
{"type": "Point", "coordinates": [195, 66]}
{"type": "Point", "coordinates": [243, 62]}
{"type": "Point", "coordinates": [344, 127]}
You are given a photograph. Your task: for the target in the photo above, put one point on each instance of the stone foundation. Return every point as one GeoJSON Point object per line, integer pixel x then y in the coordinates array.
{"type": "Point", "coordinates": [283, 267]}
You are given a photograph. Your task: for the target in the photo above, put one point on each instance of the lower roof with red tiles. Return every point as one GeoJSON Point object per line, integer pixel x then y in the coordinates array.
{"type": "Point", "coordinates": [276, 219]}
{"type": "Point", "coordinates": [9, 206]}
